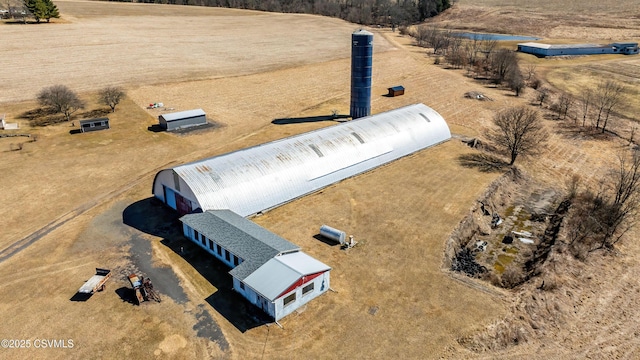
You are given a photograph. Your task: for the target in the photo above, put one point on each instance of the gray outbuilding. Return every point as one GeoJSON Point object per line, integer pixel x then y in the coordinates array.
{"type": "Point", "coordinates": [542, 50]}
{"type": "Point", "coordinates": [94, 124]}
{"type": "Point", "coordinates": [182, 119]}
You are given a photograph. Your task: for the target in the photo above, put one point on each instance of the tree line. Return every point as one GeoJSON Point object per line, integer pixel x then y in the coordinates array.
{"type": "Point", "coordinates": [367, 12]}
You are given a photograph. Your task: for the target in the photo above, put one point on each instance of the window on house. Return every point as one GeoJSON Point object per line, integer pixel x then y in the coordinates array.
{"type": "Point", "coordinates": [211, 244]}
{"type": "Point", "coordinates": [219, 249]}
{"type": "Point", "coordinates": [227, 255]}
{"type": "Point", "coordinates": [203, 239]}
{"type": "Point", "coordinates": [195, 235]}
{"type": "Point", "coordinates": [289, 299]}
{"type": "Point", "coordinates": [235, 260]}
{"type": "Point", "coordinates": [307, 289]}
{"type": "Point", "coordinates": [241, 285]}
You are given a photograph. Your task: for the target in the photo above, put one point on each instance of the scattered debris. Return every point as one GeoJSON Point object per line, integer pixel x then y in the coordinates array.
{"type": "Point", "coordinates": [143, 288]}
{"type": "Point", "coordinates": [477, 95]}
{"type": "Point", "coordinates": [485, 212]}
{"type": "Point", "coordinates": [472, 143]}
{"type": "Point", "coordinates": [508, 239]}
{"type": "Point", "coordinates": [495, 220]}
{"type": "Point", "coordinates": [466, 263]}
{"type": "Point", "coordinates": [481, 245]}
{"type": "Point", "coordinates": [522, 233]}
{"type": "Point", "coordinates": [155, 105]}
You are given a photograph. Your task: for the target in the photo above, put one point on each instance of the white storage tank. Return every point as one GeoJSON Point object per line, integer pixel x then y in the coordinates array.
{"type": "Point", "coordinates": [333, 234]}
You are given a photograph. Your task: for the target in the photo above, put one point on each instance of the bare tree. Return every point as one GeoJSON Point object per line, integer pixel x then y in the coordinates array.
{"type": "Point", "coordinates": [608, 215]}
{"type": "Point", "coordinates": [488, 47]}
{"type": "Point", "coordinates": [515, 80]}
{"type": "Point", "coordinates": [607, 96]}
{"type": "Point", "coordinates": [586, 99]}
{"type": "Point", "coordinates": [543, 94]}
{"type": "Point", "coordinates": [455, 53]}
{"type": "Point", "coordinates": [423, 33]}
{"type": "Point", "coordinates": [111, 96]}
{"type": "Point", "coordinates": [519, 131]}
{"type": "Point", "coordinates": [563, 105]}
{"type": "Point", "coordinates": [61, 99]}
{"type": "Point", "coordinates": [530, 70]}
{"type": "Point", "coordinates": [502, 62]}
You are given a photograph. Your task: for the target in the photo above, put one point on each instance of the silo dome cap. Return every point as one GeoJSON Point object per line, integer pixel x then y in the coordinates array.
{"type": "Point", "coordinates": [362, 32]}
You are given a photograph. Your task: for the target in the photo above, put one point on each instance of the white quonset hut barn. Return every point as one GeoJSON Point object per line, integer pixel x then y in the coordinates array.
{"type": "Point", "coordinates": [267, 270]}
{"type": "Point", "coordinates": [182, 119]}
{"type": "Point", "coordinates": [255, 179]}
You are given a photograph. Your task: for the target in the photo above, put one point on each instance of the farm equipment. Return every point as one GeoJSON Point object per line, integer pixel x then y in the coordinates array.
{"type": "Point", "coordinates": [96, 282]}
{"type": "Point", "coordinates": [143, 289]}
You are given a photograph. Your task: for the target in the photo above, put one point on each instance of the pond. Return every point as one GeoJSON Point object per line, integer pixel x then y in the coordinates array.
{"type": "Point", "coordinates": [497, 37]}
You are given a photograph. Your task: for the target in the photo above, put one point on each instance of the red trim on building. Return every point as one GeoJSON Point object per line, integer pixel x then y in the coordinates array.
{"type": "Point", "coordinates": [303, 280]}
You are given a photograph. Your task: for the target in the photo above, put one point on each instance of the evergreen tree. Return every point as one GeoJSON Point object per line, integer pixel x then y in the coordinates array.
{"type": "Point", "coordinates": [51, 10]}
{"type": "Point", "coordinates": [42, 9]}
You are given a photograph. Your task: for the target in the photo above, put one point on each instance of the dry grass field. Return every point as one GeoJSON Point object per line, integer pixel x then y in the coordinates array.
{"type": "Point", "coordinates": [245, 69]}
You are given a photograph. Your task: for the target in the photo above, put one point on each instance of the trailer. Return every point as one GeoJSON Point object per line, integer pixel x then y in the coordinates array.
{"type": "Point", "coordinates": [96, 282]}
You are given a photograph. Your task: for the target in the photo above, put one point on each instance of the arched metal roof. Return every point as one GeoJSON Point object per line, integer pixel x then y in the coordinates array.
{"type": "Point", "coordinates": [255, 179]}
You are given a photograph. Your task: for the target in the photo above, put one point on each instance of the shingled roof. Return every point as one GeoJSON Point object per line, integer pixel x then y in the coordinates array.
{"type": "Point", "coordinates": [244, 238]}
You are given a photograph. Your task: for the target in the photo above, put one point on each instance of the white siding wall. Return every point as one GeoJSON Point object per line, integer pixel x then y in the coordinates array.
{"type": "Point", "coordinates": [190, 234]}
{"type": "Point", "coordinates": [319, 289]}
{"type": "Point", "coordinates": [254, 297]}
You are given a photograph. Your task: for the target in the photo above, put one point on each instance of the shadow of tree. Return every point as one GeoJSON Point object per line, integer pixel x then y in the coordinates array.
{"type": "Point", "coordinates": [307, 119]}
{"type": "Point", "coordinates": [95, 113]}
{"type": "Point", "coordinates": [483, 162]}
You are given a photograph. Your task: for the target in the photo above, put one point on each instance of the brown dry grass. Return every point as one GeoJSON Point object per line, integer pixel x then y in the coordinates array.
{"type": "Point", "coordinates": [587, 20]}
{"type": "Point", "coordinates": [402, 213]}
{"type": "Point", "coordinates": [165, 45]}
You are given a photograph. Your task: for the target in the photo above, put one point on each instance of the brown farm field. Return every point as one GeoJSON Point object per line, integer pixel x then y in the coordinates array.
{"type": "Point", "coordinates": [74, 202]}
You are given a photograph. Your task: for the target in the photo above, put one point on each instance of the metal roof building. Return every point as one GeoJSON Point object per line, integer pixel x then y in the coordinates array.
{"type": "Point", "coordinates": [269, 271]}
{"type": "Point", "coordinates": [540, 49]}
{"type": "Point", "coordinates": [255, 179]}
{"type": "Point", "coordinates": [182, 119]}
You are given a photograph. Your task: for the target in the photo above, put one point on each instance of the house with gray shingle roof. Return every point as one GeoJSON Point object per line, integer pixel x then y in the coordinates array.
{"type": "Point", "coordinates": [269, 271]}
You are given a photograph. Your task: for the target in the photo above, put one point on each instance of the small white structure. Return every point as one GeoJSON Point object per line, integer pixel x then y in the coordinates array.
{"type": "Point", "coordinates": [7, 126]}
{"type": "Point", "coordinates": [269, 271]}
